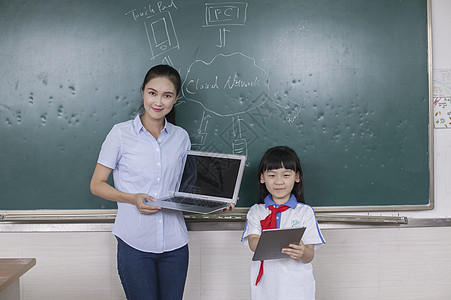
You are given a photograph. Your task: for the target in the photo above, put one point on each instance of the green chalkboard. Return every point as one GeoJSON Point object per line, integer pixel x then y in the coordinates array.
{"type": "Point", "coordinates": [343, 82]}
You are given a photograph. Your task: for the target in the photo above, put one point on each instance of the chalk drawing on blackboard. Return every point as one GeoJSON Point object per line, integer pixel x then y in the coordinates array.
{"type": "Point", "coordinates": [222, 38]}
{"type": "Point", "coordinates": [228, 85]}
{"type": "Point", "coordinates": [240, 134]}
{"type": "Point", "coordinates": [264, 112]}
{"type": "Point", "coordinates": [167, 61]}
{"type": "Point", "coordinates": [225, 13]}
{"type": "Point", "coordinates": [239, 144]}
{"type": "Point", "coordinates": [161, 34]}
{"type": "Point", "coordinates": [198, 139]}
{"type": "Point", "coordinates": [292, 108]}
{"type": "Point", "coordinates": [303, 26]}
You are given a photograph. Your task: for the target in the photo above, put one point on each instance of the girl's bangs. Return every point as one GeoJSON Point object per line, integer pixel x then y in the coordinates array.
{"type": "Point", "coordinates": [280, 160]}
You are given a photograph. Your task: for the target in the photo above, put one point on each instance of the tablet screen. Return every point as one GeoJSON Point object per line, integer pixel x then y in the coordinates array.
{"type": "Point", "coordinates": [273, 240]}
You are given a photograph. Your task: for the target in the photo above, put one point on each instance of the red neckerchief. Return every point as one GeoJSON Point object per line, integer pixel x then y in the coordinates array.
{"type": "Point", "coordinates": [268, 223]}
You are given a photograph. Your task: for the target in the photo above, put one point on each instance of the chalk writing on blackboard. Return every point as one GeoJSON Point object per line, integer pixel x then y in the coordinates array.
{"type": "Point", "coordinates": [225, 13]}
{"type": "Point", "coordinates": [303, 26]}
{"type": "Point", "coordinates": [228, 85]}
{"type": "Point", "coordinates": [292, 108]}
{"type": "Point", "coordinates": [151, 9]}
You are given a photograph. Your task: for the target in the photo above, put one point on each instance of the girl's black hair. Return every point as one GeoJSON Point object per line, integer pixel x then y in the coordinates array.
{"type": "Point", "coordinates": [276, 158]}
{"type": "Point", "coordinates": [170, 73]}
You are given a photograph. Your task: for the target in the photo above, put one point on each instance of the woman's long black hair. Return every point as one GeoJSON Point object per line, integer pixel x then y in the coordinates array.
{"type": "Point", "coordinates": [170, 73]}
{"type": "Point", "coordinates": [276, 158]}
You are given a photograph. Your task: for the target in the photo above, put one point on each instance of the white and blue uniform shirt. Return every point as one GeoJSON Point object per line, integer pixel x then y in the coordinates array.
{"type": "Point", "coordinates": [143, 164]}
{"type": "Point", "coordinates": [284, 278]}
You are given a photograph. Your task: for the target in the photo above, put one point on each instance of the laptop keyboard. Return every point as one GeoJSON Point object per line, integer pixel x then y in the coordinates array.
{"type": "Point", "coordinates": [198, 202]}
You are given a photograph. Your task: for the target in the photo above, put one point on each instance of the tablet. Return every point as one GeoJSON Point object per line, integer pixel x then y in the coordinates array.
{"type": "Point", "coordinates": [273, 240]}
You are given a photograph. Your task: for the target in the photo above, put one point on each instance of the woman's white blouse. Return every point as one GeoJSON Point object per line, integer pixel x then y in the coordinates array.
{"type": "Point", "coordinates": [143, 164]}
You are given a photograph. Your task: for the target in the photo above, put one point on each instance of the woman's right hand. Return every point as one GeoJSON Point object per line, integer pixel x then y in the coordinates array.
{"type": "Point", "coordinates": [139, 200]}
{"type": "Point", "coordinates": [100, 187]}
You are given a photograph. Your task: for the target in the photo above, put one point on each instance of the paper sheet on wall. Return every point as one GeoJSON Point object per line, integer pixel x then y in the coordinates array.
{"type": "Point", "coordinates": [442, 96]}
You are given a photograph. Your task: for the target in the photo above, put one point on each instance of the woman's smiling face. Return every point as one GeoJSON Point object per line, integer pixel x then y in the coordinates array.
{"type": "Point", "coordinates": [159, 96]}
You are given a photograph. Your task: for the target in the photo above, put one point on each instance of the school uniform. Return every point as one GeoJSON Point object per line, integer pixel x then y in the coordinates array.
{"type": "Point", "coordinates": [284, 278]}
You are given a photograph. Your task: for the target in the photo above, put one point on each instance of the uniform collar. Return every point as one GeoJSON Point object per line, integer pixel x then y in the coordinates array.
{"type": "Point", "coordinates": [292, 202]}
{"type": "Point", "coordinates": [138, 126]}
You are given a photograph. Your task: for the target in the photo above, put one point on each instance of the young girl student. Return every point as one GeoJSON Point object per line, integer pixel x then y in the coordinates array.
{"type": "Point", "coordinates": [146, 157]}
{"type": "Point", "coordinates": [281, 205]}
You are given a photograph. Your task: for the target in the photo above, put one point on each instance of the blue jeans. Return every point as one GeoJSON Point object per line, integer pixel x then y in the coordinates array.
{"type": "Point", "coordinates": [152, 276]}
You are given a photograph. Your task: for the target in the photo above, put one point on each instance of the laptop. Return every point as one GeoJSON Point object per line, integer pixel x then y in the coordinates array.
{"type": "Point", "coordinates": [210, 182]}
{"type": "Point", "coordinates": [272, 241]}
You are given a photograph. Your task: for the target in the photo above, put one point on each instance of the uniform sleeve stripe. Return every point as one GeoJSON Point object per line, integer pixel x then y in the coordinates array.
{"type": "Point", "coordinates": [244, 231]}
{"type": "Point", "coordinates": [317, 226]}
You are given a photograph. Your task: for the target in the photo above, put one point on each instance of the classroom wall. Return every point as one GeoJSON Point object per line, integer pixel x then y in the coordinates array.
{"type": "Point", "coordinates": [362, 263]}
{"type": "Point", "coordinates": [357, 263]}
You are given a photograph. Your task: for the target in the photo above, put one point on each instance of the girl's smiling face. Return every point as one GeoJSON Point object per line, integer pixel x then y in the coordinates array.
{"type": "Point", "coordinates": [279, 183]}
{"type": "Point", "coordinates": [159, 96]}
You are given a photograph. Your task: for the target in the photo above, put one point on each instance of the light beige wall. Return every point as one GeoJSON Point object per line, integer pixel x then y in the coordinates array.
{"type": "Point", "coordinates": [370, 263]}
{"type": "Point", "coordinates": [384, 264]}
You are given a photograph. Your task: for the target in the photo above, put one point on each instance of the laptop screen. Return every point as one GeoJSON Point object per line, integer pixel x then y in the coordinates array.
{"type": "Point", "coordinates": [210, 176]}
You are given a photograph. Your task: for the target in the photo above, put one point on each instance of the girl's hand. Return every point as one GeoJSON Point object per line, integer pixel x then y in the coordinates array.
{"type": "Point", "coordinates": [295, 251]}
{"type": "Point", "coordinates": [139, 201]}
{"type": "Point", "coordinates": [229, 208]}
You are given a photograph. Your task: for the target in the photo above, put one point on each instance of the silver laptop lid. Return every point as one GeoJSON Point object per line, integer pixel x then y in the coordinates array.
{"type": "Point", "coordinates": [212, 176]}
